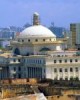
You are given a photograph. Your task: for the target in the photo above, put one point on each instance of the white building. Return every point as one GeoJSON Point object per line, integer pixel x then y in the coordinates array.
{"type": "Point", "coordinates": [38, 54]}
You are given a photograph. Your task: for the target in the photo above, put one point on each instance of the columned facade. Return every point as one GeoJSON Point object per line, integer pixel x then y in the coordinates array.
{"type": "Point", "coordinates": [34, 72]}
{"type": "Point", "coordinates": [63, 73]}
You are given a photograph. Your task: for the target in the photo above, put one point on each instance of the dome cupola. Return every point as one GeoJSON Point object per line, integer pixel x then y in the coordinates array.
{"type": "Point", "coordinates": [36, 30]}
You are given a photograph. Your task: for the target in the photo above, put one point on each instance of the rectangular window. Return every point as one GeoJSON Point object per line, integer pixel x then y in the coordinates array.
{"type": "Point", "coordinates": [60, 70]}
{"type": "Point", "coordinates": [54, 61]}
{"type": "Point", "coordinates": [40, 61]}
{"type": "Point", "coordinates": [36, 40]}
{"type": "Point", "coordinates": [58, 55]}
{"type": "Point", "coordinates": [60, 61]}
{"type": "Point", "coordinates": [14, 60]}
{"type": "Point", "coordinates": [71, 60]}
{"type": "Point", "coordinates": [14, 75]}
{"type": "Point", "coordinates": [66, 70]}
{"type": "Point", "coordinates": [19, 68]}
{"type": "Point", "coordinates": [76, 69]}
{"type": "Point", "coordinates": [55, 70]}
{"type": "Point", "coordinates": [18, 60]}
{"type": "Point", "coordinates": [28, 40]}
{"type": "Point", "coordinates": [43, 39]}
{"type": "Point", "coordinates": [76, 60]}
{"type": "Point", "coordinates": [19, 75]}
{"type": "Point", "coordinates": [71, 70]}
{"type": "Point", "coordinates": [14, 68]}
{"type": "Point", "coordinates": [65, 60]}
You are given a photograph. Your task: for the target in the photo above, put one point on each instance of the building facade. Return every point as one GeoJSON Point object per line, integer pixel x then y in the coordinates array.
{"type": "Point", "coordinates": [37, 53]}
{"type": "Point", "coordinates": [75, 31]}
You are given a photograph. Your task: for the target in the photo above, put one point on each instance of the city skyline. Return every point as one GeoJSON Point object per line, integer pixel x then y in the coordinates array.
{"type": "Point", "coordinates": [19, 12]}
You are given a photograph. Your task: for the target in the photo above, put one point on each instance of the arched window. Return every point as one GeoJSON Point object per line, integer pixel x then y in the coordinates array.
{"type": "Point", "coordinates": [17, 51]}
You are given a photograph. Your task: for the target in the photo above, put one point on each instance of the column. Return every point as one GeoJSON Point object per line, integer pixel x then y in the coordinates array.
{"type": "Point", "coordinates": [31, 72]}
{"type": "Point", "coordinates": [79, 73]}
{"type": "Point", "coordinates": [52, 73]}
{"type": "Point", "coordinates": [74, 74]}
{"type": "Point", "coordinates": [27, 72]}
{"type": "Point", "coordinates": [58, 76]}
{"type": "Point", "coordinates": [68, 73]}
{"type": "Point", "coordinates": [63, 73]}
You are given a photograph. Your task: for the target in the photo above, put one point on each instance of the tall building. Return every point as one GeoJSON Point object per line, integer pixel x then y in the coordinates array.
{"type": "Point", "coordinates": [75, 34]}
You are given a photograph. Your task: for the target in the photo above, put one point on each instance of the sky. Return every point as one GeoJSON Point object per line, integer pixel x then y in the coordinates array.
{"type": "Point", "coordinates": [20, 12]}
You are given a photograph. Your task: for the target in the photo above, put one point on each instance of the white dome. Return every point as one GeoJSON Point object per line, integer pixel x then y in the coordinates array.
{"type": "Point", "coordinates": [37, 31]}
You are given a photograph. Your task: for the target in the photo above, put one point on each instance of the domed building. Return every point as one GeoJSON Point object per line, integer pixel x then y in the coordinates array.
{"type": "Point", "coordinates": [35, 39]}
{"type": "Point", "coordinates": [37, 53]}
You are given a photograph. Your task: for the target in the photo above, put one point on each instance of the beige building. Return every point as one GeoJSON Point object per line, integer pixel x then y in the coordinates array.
{"type": "Point", "coordinates": [37, 53]}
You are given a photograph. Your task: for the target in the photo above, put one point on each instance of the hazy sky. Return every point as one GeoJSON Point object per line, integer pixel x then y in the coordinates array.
{"type": "Point", "coordinates": [19, 12]}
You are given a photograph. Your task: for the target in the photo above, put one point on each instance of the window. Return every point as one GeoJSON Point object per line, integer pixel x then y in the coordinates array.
{"type": "Point", "coordinates": [54, 61]}
{"type": "Point", "coordinates": [17, 51]}
{"type": "Point", "coordinates": [24, 60]}
{"type": "Point", "coordinates": [14, 75]}
{"type": "Point", "coordinates": [65, 60]}
{"type": "Point", "coordinates": [66, 70]}
{"type": "Point", "coordinates": [36, 40]}
{"type": "Point", "coordinates": [39, 61]}
{"type": "Point", "coordinates": [76, 69]}
{"type": "Point", "coordinates": [76, 60]}
{"type": "Point", "coordinates": [60, 61]}
{"type": "Point", "coordinates": [71, 70]}
{"type": "Point", "coordinates": [60, 70]}
{"type": "Point", "coordinates": [22, 40]}
{"type": "Point", "coordinates": [18, 60]}
{"type": "Point", "coordinates": [14, 68]}
{"type": "Point", "coordinates": [14, 60]}
{"type": "Point", "coordinates": [61, 78]}
{"type": "Point", "coordinates": [66, 78]}
{"type": "Point", "coordinates": [58, 55]}
{"type": "Point", "coordinates": [28, 40]}
{"type": "Point", "coordinates": [43, 39]}
{"type": "Point", "coordinates": [70, 60]}
{"type": "Point", "coordinates": [19, 68]}
{"type": "Point", "coordinates": [19, 75]}
{"type": "Point", "coordinates": [55, 70]}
